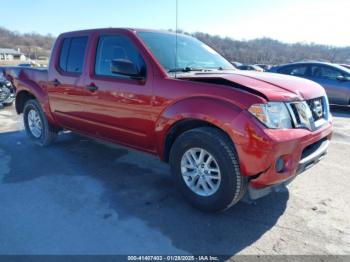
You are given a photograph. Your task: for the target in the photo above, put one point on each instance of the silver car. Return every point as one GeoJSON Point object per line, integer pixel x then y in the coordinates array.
{"type": "Point", "coordinates": [334, 78]}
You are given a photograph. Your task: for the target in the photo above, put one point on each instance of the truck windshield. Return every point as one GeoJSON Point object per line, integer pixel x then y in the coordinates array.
{"type": "Point", "coordinates": [191, 53]}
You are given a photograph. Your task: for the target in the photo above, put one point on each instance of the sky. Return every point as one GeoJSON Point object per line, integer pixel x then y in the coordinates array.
{"type": "Point", "coordinates": [290, 21]}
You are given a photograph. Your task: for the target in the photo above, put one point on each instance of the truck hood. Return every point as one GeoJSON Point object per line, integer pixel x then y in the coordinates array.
{"type": "Point", "coordinates": [272, 87]}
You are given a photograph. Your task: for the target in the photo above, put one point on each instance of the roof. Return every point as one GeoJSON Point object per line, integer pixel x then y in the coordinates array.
{"type": "Point", "coordinates": [9, 51]}
{"type": "Point", "coordinates": [121, 29]}
{"type": "Point", "coordinates": [317, 63]}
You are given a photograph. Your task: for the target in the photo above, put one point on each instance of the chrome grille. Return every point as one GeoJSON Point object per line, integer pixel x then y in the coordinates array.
{"type": "Point", "coordinates": [316, 107]}
{"type": "Point", "coordinates": [310, 114]}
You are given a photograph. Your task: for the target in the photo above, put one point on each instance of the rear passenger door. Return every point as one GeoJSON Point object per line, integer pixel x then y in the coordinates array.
{"type": "Point", "coordinates": [66, 90]}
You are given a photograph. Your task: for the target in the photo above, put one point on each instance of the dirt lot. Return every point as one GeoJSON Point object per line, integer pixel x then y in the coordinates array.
{"type": "Point", "coordinates": [17, 62]}
{"type": "Point", "coordinates": [81, 196]}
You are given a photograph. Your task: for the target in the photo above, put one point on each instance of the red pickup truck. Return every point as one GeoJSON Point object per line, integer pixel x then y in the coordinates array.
{"type": "Point", "coordinates": [226, 133]}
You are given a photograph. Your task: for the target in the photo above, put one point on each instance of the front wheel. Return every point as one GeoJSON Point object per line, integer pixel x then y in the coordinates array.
{"type": "Point", "coordinates": [206, 169]}
{"type": "Point", "coordinates": [36, 125]}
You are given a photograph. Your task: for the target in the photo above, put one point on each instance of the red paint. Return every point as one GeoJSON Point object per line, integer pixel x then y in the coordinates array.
{"type": "Point", "coordinates": [139, 114]}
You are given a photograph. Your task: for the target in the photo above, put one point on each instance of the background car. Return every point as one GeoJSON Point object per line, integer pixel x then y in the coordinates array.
{"type": "Point", "coordinates": [334, 78]}
{"type": "Point", "coordinates": [7, 92]}
{"type": "Point", "coordinates": [264, 66]}
{"type": "Point", "coordinates": [29, 64]}
{"type": "Point", "coordinates": [346, 66]}
{"type": "Point", "coordinates": [251, 68]}
{"type": "Point", "coordinates": [25, 65]}
{"type": "Point", "coordinates": [236, 64]}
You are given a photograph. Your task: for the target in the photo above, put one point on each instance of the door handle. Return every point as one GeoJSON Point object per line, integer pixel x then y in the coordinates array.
{"type": "Point", "coordinates": [92, 87]}
{"type": "Point", "coordinates": [55, 82]}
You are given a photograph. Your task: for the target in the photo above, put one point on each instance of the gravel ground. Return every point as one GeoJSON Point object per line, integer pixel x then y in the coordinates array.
{"type": "Point", "coordinates": [82, 196]}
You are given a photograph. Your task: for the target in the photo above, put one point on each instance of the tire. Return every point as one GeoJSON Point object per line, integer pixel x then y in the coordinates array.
{"type": "Point", "coordinates": [231, 186]}
{"type": "Point", "coordinates": [48, 133]}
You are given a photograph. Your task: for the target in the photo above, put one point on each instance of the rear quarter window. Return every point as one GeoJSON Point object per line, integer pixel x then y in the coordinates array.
{"type": "Point", "coordinates": [72, 54]}
{"type": "Point", "coordinates": [64, 54]}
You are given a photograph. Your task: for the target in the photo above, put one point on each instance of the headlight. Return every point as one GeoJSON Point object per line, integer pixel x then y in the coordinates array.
{"type": "Point", "coordinates": [8, 84]}
{"type": "Point", "coordinates": [273, 115]}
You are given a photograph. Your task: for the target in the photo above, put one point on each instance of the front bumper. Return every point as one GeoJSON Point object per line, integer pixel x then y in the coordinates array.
{"type": "Point", "coordinates": [259, 148]}
{"type": "Point", "coordinates": [311, 156]}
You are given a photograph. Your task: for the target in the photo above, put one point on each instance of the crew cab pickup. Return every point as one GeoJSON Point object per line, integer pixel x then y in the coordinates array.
{"type": "Point", "coordinates": [225, 133]}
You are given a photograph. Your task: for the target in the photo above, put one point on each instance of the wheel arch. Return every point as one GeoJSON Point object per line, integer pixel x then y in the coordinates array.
{"type": "Point", "coordinates": [21, 98]}
{"type": "Point", "coordinates": [27, 90]}
{"type": "Point", "coordinates": [181, 127]}
{"type": "Point", "coordinates": [193, 113]}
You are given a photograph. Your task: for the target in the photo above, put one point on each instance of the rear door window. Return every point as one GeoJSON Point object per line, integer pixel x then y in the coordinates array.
{"type": "Point", "coordinates": [72, 54]}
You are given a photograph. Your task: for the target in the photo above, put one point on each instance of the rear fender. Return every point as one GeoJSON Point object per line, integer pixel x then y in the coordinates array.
{"type": "Point", "coordinates": [38, 90]}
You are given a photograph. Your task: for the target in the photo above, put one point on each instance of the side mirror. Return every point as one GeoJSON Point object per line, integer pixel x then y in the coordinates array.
{"type": "Point", "coordinates": [343, 78]}
{"type": "Point", "coordinates": [126, 68]}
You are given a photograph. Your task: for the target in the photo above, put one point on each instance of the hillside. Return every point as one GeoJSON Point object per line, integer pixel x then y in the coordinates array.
{"type": "Point", "coordinates": [31, 44]}
{"type": "Point", "coordinates": [269, 51]}
{"type": "Point", "coordinates": [264, 50]}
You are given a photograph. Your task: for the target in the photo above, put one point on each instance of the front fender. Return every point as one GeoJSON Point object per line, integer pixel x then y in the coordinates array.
{"type": "Point", "coordinates": [217, 112]}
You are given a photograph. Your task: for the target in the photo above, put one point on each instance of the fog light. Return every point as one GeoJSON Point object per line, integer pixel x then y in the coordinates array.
{"type": "Point", "coordinates": [279, 165]}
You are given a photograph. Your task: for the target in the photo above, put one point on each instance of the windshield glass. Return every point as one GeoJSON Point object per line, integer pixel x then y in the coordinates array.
{"type": "Point", "coordinates": [191, 53]}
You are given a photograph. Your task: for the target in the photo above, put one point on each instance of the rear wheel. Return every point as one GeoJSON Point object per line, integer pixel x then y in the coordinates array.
{"type": "Point", "coordinates": [36, 125]}
{"type": "Point", "coordinates": [206, 169]}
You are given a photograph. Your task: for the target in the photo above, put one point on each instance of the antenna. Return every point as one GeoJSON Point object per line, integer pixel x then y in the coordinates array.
{"type": "Point", "coordinates": [176, 32]}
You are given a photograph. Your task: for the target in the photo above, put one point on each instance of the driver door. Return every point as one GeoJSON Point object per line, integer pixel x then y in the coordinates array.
{"type": "Point", "coordinates": [118, 107]}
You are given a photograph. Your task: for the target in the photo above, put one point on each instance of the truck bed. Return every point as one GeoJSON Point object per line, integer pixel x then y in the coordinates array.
{"type": "Point", "coordinates": [16, 73]}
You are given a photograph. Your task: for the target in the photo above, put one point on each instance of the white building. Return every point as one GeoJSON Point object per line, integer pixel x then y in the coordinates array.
{"type": "Point", "coordinates": [11, 54]}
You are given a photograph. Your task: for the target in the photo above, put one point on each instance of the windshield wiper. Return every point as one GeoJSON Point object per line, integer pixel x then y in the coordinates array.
{"type": "Point", "coordinates": [186, 69]}
{"type": "Point", "coordinates": [197, 69]}
{"type": "Point", "coordinates": [225, 69]}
